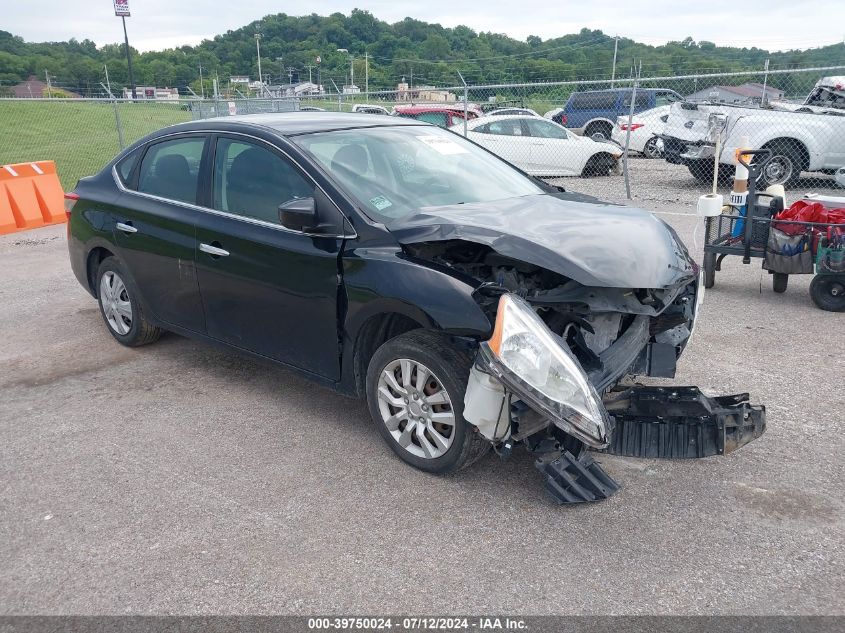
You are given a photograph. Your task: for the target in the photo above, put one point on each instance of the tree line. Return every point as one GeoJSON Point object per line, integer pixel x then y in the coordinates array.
{"type": "Point", "coordinates": [421, 52]}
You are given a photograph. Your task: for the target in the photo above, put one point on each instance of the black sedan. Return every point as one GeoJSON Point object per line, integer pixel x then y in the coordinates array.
{"type": "Point", "coordinates": [470, 304]}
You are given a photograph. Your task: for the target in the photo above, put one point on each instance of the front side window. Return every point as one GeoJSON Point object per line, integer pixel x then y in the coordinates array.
{"type": "Point", "coordinates": [394, 172]}
{"type": "Point", "coordinates": [507, 127]}
{"type": "Point", "coordinates": [171, 169]}
{"type": "Point", "coordinates": [545, 129]}
{"type": "Point", "coordinates": [252, 181]}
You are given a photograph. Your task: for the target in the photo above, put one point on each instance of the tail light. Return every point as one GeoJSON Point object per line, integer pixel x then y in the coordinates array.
{"type": "Point", "coordinates": [560, 118]}
{"type": "Point", "coordinates": [70, 200]}
{"type": "Point", "coordinates": [624, 126]}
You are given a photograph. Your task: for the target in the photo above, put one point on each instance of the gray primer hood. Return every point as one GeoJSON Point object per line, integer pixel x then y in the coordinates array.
{"type": "Point", "coordinates": [592, 242]}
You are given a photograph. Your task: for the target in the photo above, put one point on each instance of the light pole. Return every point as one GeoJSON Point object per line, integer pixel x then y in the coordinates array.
{"type": "Point", "coordinates": [258, 53]}
{"type": "Point", "coordinates": [351, 67]}
{"type": "Point", "coordinates": [281, 70]}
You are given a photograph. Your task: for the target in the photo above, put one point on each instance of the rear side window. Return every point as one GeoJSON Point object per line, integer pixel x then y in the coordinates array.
{"type": "Point", "coordinates": [592, 100]}
{"type": "Point", "coordinates": [125, 167]}
{"type": "Point", "coordinates": [171, 169]}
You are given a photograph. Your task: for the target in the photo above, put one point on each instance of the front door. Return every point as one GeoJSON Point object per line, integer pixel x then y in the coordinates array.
{"type": "Point", "coordinates": [154, 229]}
{"type": "Point", "coordinates": [266, 288]}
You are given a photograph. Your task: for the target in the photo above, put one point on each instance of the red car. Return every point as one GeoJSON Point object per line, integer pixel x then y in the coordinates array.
{"type": "Point", "coordinates": [443, 116]}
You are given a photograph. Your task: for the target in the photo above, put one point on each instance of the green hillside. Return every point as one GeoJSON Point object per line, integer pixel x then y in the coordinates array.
{"type": "Point", "coordinates": [427, 52]}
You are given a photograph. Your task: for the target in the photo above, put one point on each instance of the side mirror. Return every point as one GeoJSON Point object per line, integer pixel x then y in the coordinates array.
{"type": "Point", "coordinates": [299, 214]}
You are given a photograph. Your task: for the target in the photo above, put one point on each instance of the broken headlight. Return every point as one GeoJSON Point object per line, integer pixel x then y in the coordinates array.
{"type": "Point", "coordinates": [538, 366]}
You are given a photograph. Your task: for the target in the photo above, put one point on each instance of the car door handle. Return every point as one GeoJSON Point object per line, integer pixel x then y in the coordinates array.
{"type": "Point", "coordinates": [213, 250]}
{"type": "Point", "coordinates": [126, 228]}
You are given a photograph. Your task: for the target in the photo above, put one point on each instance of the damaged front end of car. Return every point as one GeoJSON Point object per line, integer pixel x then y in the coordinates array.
{"type": "Point", "coordinates": [573, 324]}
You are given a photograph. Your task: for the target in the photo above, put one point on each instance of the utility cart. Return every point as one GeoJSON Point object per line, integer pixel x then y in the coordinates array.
{"type": "Point", "coordinates": [787, 247]}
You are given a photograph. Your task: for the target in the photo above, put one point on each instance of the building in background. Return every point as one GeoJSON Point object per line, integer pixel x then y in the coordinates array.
{"type": "Point", "coordinates": [746, 93]}
{"type": "Point", "coordinates": [299, 89]}
{"type": "Point", "coordinates": [152, 93]}
{"type": "Point", "coordinates": [423, 93]}
{"type": "Point", "coordinates": [34, 88]}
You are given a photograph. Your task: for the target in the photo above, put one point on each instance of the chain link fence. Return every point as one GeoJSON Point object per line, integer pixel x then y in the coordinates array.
{"type": "Point", "coordinates": [649, 138]}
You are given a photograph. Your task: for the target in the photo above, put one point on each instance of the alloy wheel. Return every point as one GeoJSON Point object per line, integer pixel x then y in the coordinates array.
{"type": "Point", "coordinates": [777, 170]}
{"type": "Point", "coordinates": [416, 408]}
{"type": "Point", "coordinates": [115, 301]}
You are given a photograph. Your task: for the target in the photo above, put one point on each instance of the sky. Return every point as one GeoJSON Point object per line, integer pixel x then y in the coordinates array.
{"type": "Point", "coordinates": [158, 24]}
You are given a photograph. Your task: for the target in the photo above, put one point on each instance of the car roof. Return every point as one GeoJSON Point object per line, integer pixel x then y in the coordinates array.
{"type": "Point", "coordinates": [293, 123]}
{"type": "Point", "coordinates": [413, 109]}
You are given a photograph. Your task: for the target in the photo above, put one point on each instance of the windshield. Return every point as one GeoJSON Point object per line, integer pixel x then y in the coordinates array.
{"type": "Point", "coordinates": [394, 171]}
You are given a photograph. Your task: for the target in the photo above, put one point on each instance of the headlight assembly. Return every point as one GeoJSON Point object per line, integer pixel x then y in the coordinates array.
{"type": "Point", "coordinates": [538, 366]}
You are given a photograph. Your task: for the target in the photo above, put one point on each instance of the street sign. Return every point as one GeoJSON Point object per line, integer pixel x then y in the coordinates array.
{"type": "Point", "coordinates": [121, 8]}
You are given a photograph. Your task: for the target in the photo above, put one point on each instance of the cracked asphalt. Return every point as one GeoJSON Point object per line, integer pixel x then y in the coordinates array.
{"type": "Point", "coordinates": [179, 478]}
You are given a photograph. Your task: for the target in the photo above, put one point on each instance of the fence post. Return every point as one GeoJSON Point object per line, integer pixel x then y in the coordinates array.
{"type": "Point", "coordinates": [628, 132]}
{"type": "Point", "coordinates": [466, 101]}
{"type": "Point", "coordinates": [117, 121]}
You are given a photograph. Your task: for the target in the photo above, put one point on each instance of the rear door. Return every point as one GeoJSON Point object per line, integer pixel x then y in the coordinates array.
{"type": "Point", "coordinates": [154, 228]}
{"type": "Point", "coordinates": [266, 288]}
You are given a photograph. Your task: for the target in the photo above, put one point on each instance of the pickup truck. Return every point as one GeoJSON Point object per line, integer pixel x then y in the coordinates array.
{"type": "Point", "coordinates": [808, 137]}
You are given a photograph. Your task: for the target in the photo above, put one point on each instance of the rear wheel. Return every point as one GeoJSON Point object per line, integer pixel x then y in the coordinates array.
{"type": "Point", "coordinates": [784, 167]}
{"type": "Point", "coordinates": [828, 292]}
{"type": "Point", "coordinates": [779, 282]}
{"type": "Point", "coordinates": [120, 309]}
{"type": "Point", "coordinates": [599, 131]}
{"type": "Point", "coordinates": [415, 391]}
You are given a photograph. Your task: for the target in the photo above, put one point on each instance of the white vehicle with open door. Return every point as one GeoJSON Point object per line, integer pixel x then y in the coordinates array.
{"type": "Point", "coordinates": [541, 147]}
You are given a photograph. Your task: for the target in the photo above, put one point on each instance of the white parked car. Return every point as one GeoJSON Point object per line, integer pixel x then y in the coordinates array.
{"type": "Point", "coordinates": [541, 147]}
{"type": "Point", "coordinates": [646, 128]}
{"type": "Point", "coordinates": [506, 111]}
{"type": "Point", "coordinates": [368, 108]}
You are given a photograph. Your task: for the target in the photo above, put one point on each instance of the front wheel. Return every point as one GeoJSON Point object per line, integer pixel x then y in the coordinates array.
{"type": "Point", "coordinates": [598, 165]}
{"type": "Point", "coordinates": [828, 292]}
{"type": "Point", "coordinates": [415, 391]}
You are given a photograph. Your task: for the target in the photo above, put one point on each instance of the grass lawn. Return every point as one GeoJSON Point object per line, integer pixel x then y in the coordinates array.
{"type": "Point", "coordinates": [81, 136]}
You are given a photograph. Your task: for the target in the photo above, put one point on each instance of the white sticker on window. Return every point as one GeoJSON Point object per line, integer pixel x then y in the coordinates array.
{"type": "Point", "coordinates": [443, 145]}
{"type": "Point", "coordinates": [380, 202]}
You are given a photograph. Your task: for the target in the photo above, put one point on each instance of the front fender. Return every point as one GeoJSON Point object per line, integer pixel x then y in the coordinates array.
{"type": "Point", "coordinates": [383, 280]}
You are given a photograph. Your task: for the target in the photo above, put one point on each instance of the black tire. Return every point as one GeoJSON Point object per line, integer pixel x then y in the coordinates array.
{"type": "Point", "coordinates": [450, 366]}
{"type": "Point", "coordinates": [598, 165]}
{"type": "Point", "coordinates": [599, 127]}
{"type": "Point", "coordinates": [709, 270]}
{"type": "Point", "coordinates": [783, 168]}
{"type": "Point", "coordinates": [141, 331]}
{"type": "Point", "coordinates": [702, 171]}
{"type": "Point", "coordinates": [651, 148]}
{"type": "Point", "coordinates": [779, 282]}
{"type": "Point", "coordinates": [828, 292]}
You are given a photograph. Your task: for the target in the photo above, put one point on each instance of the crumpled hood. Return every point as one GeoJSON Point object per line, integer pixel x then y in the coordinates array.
{"type": "Point", "coordinates": [580, 237]}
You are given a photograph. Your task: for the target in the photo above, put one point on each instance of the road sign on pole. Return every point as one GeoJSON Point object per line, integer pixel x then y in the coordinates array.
{"type": "Point", "coordinates": [121, 8]}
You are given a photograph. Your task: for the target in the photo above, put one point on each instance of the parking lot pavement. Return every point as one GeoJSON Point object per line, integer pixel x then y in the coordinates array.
{"type": "Point", "coordinates": [179, 478]}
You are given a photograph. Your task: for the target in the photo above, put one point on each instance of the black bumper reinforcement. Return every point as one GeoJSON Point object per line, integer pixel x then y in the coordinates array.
{"type": "Point", "coordinates": [575, 480]}
{"type": "Point", "coordinates": [681, 422]}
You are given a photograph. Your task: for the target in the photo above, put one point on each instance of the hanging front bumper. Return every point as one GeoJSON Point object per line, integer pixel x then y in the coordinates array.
{"type": "Point", "coordinates": [680, 422]}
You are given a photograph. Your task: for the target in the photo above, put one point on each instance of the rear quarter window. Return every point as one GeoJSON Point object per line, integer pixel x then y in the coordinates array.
{"type": "Point", "coordinates": [125, 167]}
